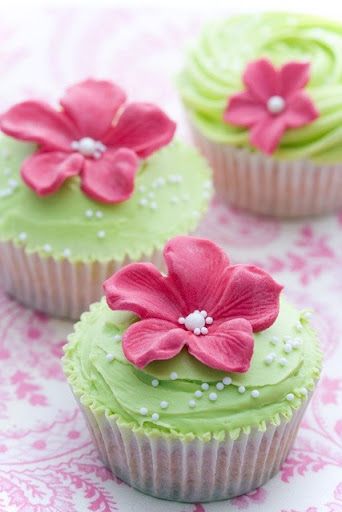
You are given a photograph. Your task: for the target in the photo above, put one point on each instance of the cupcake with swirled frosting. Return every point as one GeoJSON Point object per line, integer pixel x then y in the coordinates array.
{"type": "Point", "coordinates": [193, 383]}
{"type": "Point", "coordinates": [263, 95]}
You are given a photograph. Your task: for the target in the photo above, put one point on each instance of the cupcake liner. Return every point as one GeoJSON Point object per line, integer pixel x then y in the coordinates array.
{"type": "Point", "coordinates": [59, 287]}
{"type": "Point", "coordinates": [171, 468]}
{"type": "Point", "coordinates": [262, 184]}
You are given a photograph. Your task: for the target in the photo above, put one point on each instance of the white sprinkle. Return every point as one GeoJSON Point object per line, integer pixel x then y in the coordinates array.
{"type": "Point", "coordinates": [204, 313]}
{"type": "Point", "coordinates": [181, 320]}
{"type": "Point", "coordinates": [219, 386]}
{"type": "Point", "coordinates": [175, 178]}
{"type": "Point", "coordinates": [241, 389]}
{"type": "Point", "coordinates": [101, 233]}
{"type": "Point", "coordinates": [153, 205]}
{"type": "Point", "coordinates": [22, 236]}
{"type": "Point", "coordinates": [287, 338]}
{"type": "Point", "coordinates": [5, 192]}
{"type": "Point", "coordinates": [173, 375]}
{"type": "Point", "coordinates": [299, 326]}
{"type": "Point", "coordinates": [142, 188]}
{"type": "Point", "coordinates": [143, 411]}
{"type": "Point", "coordinates": [212, 397]}
{"type": "Point", "coordinates": [307, 315]}
{"type": "Point", "coordinates": [12, 183]}
{"type": "Point", "coordinates": [303, 391]}
{"type": "Point", "coordinates": [174, 200]}
{"type": "Point", "coordinates": [282, 361]}
{"type": "Point", "coordinates": [155, 416]}
{"type": "Point", "coordinates": [5, 154]}
{"type": "Point", "coordinates": [155, 383]}
{"type": "Point", "coordinates": [159, 182]}
{"type": "Point", "coordinates": [143, 201]}
{"type": "Point", "coordinates": [192, 403]}
{"type": "Point", "coordinates": [89, 213]}
{"type": "Point", "coordinates": [47, 248]}
{"type": "Point", "coordinates": [164, 404]}
{"type": "Point", "coordinates": [255, 393]}
{"type": "Point", "coordinates": [269, 359]}
{"type": "Point", "coordinates": [117, 338]}
{"type": "Point", "coordinates": [110, 357]}
{"type": "Point", "coordinates": [197, 331]}
{"type": "Point", "coordinates": [198, 393]}
{"type": "Point", "coordinates": [274, 340]}
{"type": "Point", "coordinates": [66, 252]}
{"type": "Point", "coordinates": [287, 348]}
{"type": "Point", "coordinates": [99, 214]}
{"type": "Point", "coordinates": [290, 397]}
{"type": "Point", "coordinates": [227, 381]}
{"type": "Point", "coordinates": [296, 343]}
{"type": "Point", "coordinates": [151, 194]}
{"type": "Point", "coordinates": [204, 330]}
{"type": "Point", "coordinates": [205, 386]}
{"type": "Point", "coordinates": [209, 320]}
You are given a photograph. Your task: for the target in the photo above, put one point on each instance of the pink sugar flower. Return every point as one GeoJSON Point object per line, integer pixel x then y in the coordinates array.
{"type": "Point", "coordinates": [94, 135]}
{"type": "Point", "coordinates": [204, 304]}
{"type": "Point", "coordinates": [273, 101]}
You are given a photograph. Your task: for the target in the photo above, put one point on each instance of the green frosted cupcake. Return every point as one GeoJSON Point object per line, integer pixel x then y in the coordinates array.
{"type": "Point", "coordinates": [263, 97]}
{"type": "Point", "coordinates": [197, 393]}
{"type": "Point", "coordinates": [82, 195]}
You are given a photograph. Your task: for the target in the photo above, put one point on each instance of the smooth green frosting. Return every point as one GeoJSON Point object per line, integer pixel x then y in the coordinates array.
{"type": "Point", "coordinates": [172, 190]}
{"type": "Point", "coordinates": [214, 69]}
{"type": "Point", "coordinates": [120, 389]}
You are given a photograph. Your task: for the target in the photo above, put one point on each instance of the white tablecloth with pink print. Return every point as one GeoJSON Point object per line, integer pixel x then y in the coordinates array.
{"type": "Point", "coordinates": [47, 461]}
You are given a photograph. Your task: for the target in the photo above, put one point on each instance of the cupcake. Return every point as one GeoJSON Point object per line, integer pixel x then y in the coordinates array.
{"type": "Point", "coordinates": [262, 93]}
{"type": "Point", "coordinates": [193, 384]}
{"type": "Point", "coordinates": [88, 188]}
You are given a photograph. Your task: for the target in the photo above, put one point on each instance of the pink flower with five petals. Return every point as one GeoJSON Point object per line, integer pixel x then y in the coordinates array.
{"type": "Point", "coordinates": [94, 135]}
{"type": "Point", "coordinates": [272, 102]}
{"type": "Point", "coordinates": [204, 304]}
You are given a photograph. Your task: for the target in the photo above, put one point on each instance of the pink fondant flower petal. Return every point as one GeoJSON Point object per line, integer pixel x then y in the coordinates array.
{"type": "Point", "coordinates": [301, 111]}
{"type": "Point", "coordinates": [243, 110]}
{"type": "Point", "coordinates": [36, 121]}
{"type": "Point", "coordinates": [45, 172]}
{"type": "Point", "coordinates": [261, 79]}
{"type": "Point", "coordinates": [195, 266]}
{"type": "Point", "coordinates": [249, 293]}
{"type": "Point", "coordinates": [229, 348]}
{"type": "Point", "coordinates": [267, 133]}
{"type": "Point", "coordinates": [110, 179]}
{"type": "Point", "coordinates": [142, 127]}
{"type": "Point", "coordinates": [151, 340]}
{"type": "Point", "coordinates": [142, 289]}
{"type": "Point", "coordinates": [293, 76]}
{"type": "Point", "coordinates": [92, 105]}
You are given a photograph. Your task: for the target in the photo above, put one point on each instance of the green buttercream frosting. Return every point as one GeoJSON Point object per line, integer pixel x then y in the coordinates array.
{"type": "Point", "coordinates": [172, 190]}
{"type": "Point", "coordinates": [214, 68]}
{"type": "Point", "coordinates": [103, 379]}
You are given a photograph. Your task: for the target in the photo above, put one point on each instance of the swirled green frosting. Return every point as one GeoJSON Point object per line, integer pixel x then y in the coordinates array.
{"type": "Point", "coordinates": [104, 380]}
{"type": "Point", "coordinates": [214, 69]}
{"type": "Point", "coordinates": [172, 190]}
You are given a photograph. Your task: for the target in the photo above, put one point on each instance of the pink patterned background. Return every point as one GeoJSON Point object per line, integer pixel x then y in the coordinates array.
{"type": "Point", "coordinates": [47, 462]}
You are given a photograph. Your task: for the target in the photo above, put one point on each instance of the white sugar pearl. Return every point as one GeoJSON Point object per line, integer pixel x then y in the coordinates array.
{"type": "Point", "coordinates": [241, 389]}
{"type": "Point", "coordinates": [303, 391]}
{"type": "Point", "coordinates": [205, 386]}
{"type": "Point", "coordinates": [155, 416]}
{"type": "Point", "coordinates": [143, 411]}
{"type": "Point", "coordinates": [269, 359]}
{"type": "Point", "coordinates": [153, 205]}
{"type": "Point", "coordinates": [283, 361]}
{"type": "Point", "coordinates": [275, 104]}
{"type": "Point", "coordinates": [101, 233]}
{"type": "Point", "coordinates": [173, 375]}
{"type": "Point", "coordinates": [117, 338]}
{"type": "Point", "coordinates": [22, 236]}
{"type": "Point", "coordinates": [142, 188]}
{"type": "Point", "coordinates": [66, 252]}
{"type": "Point", "coordinates": [255, 393]}
{"type": "Point", "coordinates": [198, 393]}
{"type": "Point", "coordinates": [287, 338]}
{"type": "Point", "coordinates": [287, 348]}
{"type": "Point", "coordinates": [209, 320]}
{"type": "Point", "coordinates": [192, 403]}
{"type": "Point", "coordinates": [110, 357]}
{"type": "Point", "coordinates": [299, 326]}
{"type": "Point", "coordinates": [227, 381]}
{"type": "Point", "coordinates": [47, 248]}
{"type": "Point", "coordinates": [290, 397]}
{"type": "Point", "coordinates": [220, 386]}
{"type": "Point", "coordinates": [212, 397]}
{"type": "Point", "coordinates": [164, 404]}
{"type": "Point", "coordinates": [143, 201]}
{"type": "Point", "coordinates": [99, 214]}
{"type": "Point", "coordinates": [296, 343]}
{"type": "Point", "coordinates": [89, 213]}
{"type": "Point", "coordinates": [197, 331]}
{"type": "Point", "coordinates": [274, 340]}
{"type": "Point", "coordinates": [155, 383]}
{"type": "Point", "coordinates": [204, 330]}
{"type": "Point", "coordinates": [307, 315]}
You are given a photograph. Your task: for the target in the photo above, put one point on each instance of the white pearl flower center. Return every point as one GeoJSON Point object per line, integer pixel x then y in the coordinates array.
{"type": "Point", "coordinates": [275, 104]}
{"type": "Point", "coordinates": [89, 147]}
{"type": "Point", "coordinates": [196, 322]}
